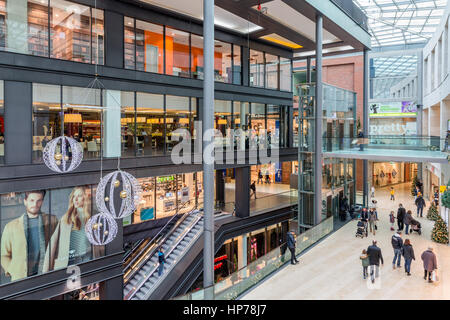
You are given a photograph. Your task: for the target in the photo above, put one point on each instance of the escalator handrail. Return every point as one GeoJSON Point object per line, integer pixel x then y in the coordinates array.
{"type": "Point", "coordinates": [153, 239]}
{"type": "Point", "coordinates": [155, 242]}
{"type": "Point", "coordinates": [173, 246]}
{"type": "Point", "coordinates": [136, 245]}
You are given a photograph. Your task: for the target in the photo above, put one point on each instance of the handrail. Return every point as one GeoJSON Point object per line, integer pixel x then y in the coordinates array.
{"type": "Point", "coordinates": [180, 238]}
{"type": "Point", "coordinates": [152, 242]}
{"type": "Point", "coordinates": [133, 247]}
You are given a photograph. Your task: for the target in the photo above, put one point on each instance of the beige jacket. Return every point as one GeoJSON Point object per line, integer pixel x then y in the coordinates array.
{"type": "Point", "coordinates": [57, 254]}
{"type": "Point", "coordinates": [14, 253]}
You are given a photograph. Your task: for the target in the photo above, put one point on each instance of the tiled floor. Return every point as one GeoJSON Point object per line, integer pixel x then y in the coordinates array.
{"type": "Point", "coordinates": [332, 269]}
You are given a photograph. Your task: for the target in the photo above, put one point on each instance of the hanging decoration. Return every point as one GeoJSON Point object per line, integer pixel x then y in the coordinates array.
{"type": "Point", "coordinates": [120, 183]}
{"type": "Point", "coordinates": [101, 229]}
{"type": "Point", "coordinates": [57, 155]}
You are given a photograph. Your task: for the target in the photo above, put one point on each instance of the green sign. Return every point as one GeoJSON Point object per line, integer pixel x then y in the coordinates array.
{"type": "Point", "coordinates": [165, 179]}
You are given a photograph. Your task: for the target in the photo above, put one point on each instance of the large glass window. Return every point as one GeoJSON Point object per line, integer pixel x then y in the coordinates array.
{"type": "Point", "coordinates": [222, 62]}
{"type": "Point", "coordinates": [127, 124]}
{"type": "Point", "coordinates": [129, 43]}
{"type": "Point", "coordinates": [37, 28]}
{"type": "Point", "coordinates": [258, 124]}
{"type": "Point", "coordinates": [272, 64]}
{"type": "Point", "coordinates": [46, 116]}
{"type": "Point", "coordinates": [177, 117]}
{"type": "Point", "coordinates": [273, 125]}
{"type": "Point", "coordinates": [256, 68]}
{"type": "Point", "coordinates": [197, 56]}
{"type": "Point", "coordinates": [43, 230]}
{"type": "Point", "coordinates": [237, 65]}
{"type": "Point", "coordinates": [2, 125]}
{"type": "Point", "coordinates": [82, 116]}
{"type": "Point", "coordinates": [150, 131]}
{"type": "Point", "coordinates": [98, 35]}
{"type": "Point", "coordinates": [285, 74]}
{"type": "Point", "coordinates": [177, 53]}
{"type": "Point", "coordinates": [222, 121]}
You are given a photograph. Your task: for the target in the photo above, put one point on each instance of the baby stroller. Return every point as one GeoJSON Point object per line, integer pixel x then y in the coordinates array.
{"type": "Point", "coordinates": [415, 226]}
{"type": "Point", "coordinates": [361, 230]}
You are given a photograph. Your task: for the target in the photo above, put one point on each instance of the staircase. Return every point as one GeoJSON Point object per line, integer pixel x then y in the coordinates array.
{"type": "Point", "coordinates": [144, 279]}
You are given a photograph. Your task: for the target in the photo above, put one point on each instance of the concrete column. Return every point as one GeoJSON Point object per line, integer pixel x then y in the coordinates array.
{"type": "Point", "coordinates": [17, 26]}
{"type": "Point", "coordinates": [242, 189]}
{"type": "Point", "coordinates": [419, 94]}
{"type": "Point", "coordinates": [436, 66]}
{"type": "Point", "coordinates": [308, 70]}
{"type": "Point", "coordinates": [111, 124]}
{"type": "Point", "coordinates": [365, 122]}
{"type": "Point", "coordinates": [318, 124]}
{"type": "Point", "coordinates": [242, 252]}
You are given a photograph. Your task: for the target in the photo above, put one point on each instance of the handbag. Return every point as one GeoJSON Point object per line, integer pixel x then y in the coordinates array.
{"type": "Point", "coordinates": [376, 228]}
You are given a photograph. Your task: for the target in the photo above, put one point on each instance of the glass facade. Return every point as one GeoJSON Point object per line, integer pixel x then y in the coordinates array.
{"type": "Point", "coordinates": [270, 71]}
{"type": "Point", "coordinates": [58, 29]}
{"type": "Point", "coordinates": [43, 230]}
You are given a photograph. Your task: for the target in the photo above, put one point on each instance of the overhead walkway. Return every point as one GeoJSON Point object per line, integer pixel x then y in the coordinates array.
{"type": "Point", "coordinates": [387, 148]}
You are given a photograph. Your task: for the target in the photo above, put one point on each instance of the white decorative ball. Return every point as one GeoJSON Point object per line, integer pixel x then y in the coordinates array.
{"type": "Point", "coordinates": [101, 229]}
{"type": "Point", "coordinates": [56, 155]}
{"type": "Point", "coordinates": [129, 195]}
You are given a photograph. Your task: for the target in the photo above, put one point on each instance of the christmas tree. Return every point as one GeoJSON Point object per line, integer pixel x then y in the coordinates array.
{"type": "Point", "coordinates": [413, 185]}
{"type": "Point", "coordinates": [446, 197]}
{"type": "Point", "coordinates": [432, 213]}
{"type": "Point", "coordinates": [440, 232]}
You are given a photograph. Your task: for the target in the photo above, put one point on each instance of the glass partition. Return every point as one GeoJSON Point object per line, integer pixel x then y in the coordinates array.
{"type": "Point", "coordinates": [149, 47]}
{"type": "Point", "coordinates": [177, 53]}
{"type": "Point", "coordinates": [256, 68]}
{"type": "Point", "coordinates": [150, 125]}
{"type": "Point", "coordinates": [285, 74]}
{"type": "Point", "coordinates": [223, 61]}
{"type": "Point", "coordinates": [197, 56]}
{"type": "Point", "coordinates": [177, 117]}
{"type": "Point", "coordinates": [237, 64]}
{"type": "Point", "coordinates": [272, 65]}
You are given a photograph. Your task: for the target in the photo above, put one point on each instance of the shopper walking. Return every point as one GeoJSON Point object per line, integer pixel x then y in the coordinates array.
{"type": "Point", "coordinates": [375, 256]}
{"type": "Point", "coordinates": [392, 220]}
{"type": "Point", "coordinates": [408, 255]}
{"type": "Point", "coordinates": [407, 220]}
{"type": "Point", "coordinates": [436, 198]}
{"type": "Point", "coordinates": [260, 177]}
{"type": "Point", "coordinates": [401, 213]}
{"type": "Point", "coordinates": [365, 263]}
{"type": "Point", "coordinates": [373, 192]}
{"type": "Point", "coordinates": [291, 246]}
{"type": "Point", "coordinates": [253, 188]}
{"type": "Point", "coordinates": [392, 194]}
{"type": "Point", "coordinates": [372, 220]}
{"type": "Point", "coordinates": [361, 140]}
{"type": "Point", "coordinates": [397, 245]}
{"type": "Point", "coordinates": [161, 260]}
{"type": "Point", "coordinates": [429, 263]}
{"type": "Point", "coordinates": [364, 215]}
{"type": "Point", "coordinates": [420, 203]}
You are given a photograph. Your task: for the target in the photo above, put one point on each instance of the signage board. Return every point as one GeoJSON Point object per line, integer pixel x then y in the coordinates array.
{"type": "Point", "coordinates": [393, 109]}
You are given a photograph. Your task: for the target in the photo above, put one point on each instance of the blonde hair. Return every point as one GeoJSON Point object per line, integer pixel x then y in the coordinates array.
{"type": "Point", "coordinates": [71, 215]}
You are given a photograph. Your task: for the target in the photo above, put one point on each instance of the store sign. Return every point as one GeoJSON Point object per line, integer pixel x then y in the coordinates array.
{"type": "Point", "coordinates": [393, 109]}
{"type": "Point", "coordinates": [390, 128]}
{"type": "Point", "coordinates": [165, 179]}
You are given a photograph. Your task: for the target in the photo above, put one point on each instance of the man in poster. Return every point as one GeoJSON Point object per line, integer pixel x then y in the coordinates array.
{"type": "Point", "coordinates": [25, 239]}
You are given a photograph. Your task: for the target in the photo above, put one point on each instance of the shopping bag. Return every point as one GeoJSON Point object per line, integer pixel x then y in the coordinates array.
{"type": "Point", "coordinates": [434, 276]}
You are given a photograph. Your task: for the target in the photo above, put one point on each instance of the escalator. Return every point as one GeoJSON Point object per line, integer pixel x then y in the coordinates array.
{"type": "Point", "coordinates": [141, 270]}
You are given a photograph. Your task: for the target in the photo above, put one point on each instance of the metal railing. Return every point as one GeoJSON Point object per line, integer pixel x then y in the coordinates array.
{"type": "Point", "coordinates": [239, 282]}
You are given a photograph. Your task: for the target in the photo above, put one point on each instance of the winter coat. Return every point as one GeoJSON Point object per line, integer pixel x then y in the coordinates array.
{"type": "Point", "coordinates": [429, 260]}
{"type": "Point", "coordinates": [408, 252]}
{"type": "Point", "coordinates": [420, 203]}
{"type": "Point", "coordinates": [407, 219]}
{"type": "Point", "coordinates": [364, 215]}
{"type": "Point", "coordinates": [372, 216]}
{"type": "Point", "coordinates": [397, 241]}
{"type": "Point", "coordinates": [290, 240]}
{"type": "Point", "coordinates": [364, 260]}
{"type": "Point", "coordinates": [375, 255]}
{"type": "Point", "coordinates": [401, 213]}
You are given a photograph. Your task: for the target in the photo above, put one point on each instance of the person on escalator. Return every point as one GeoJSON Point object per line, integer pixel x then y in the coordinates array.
{"type": "Point", "coordinates": [161, 260]}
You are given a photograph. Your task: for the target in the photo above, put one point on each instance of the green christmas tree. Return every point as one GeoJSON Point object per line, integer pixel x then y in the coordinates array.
{"type": "Point", "coordinates": [446, 196]}
{"type": "Point", "coordinates": [440, 232]}
{"type": "Point", "coordinates": [432, 213]}
{"type": "Point", "coordinates": [413, 185]}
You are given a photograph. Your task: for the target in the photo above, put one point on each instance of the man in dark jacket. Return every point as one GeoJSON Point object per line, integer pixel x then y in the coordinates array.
{"type": "Point", "coordinates": [364, 215]}
{"type": "Point", "coordinates": [375, 256]}
{"type": "Point", "coordinates": [429, 263]}
{"type": "Point", "coordinates": [401, 212]}
{"type": "Point", "coordinates": [397, 244]}
{"type": "Point", "coordinates": [407, 220]}
{"type": "Point", "coordinates": [291, 246]}
{"type": "Point", "coordinates": [420, 203]}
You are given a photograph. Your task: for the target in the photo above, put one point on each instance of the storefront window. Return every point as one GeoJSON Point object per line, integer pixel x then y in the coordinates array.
{"type": "Point", "coordinates": [127, 124]}
{"type": "Point", "coordinates": [150, 124]}
{"type": "Point", "coordinates": [177, 53]}
{"type": "Point", "coordinates": [149, 47]}
{"type": "Point", "coordinates": [46, 117]}
{"type": "Point", "coordinates": [237, 64]}
{"type": "Point", "coordinates": [82, 118]}
{"type": "Point", "coordinates": [222, 121]}
{"type": "Point", "coordinates": [258, 124]}
{"type": "Point", "coordinates": [222, 62]}
{"type": "Point", "coordinates": [197, 57]}
{"type": "Point", "coordinates": [38, 225]}
{"type": "Point", "coordinates": [256, 68]}
{"type": "Point", "coordinates": [37, 28]}
{"type": "Point", "coordinates": [274, 125]}
{"type": "Point", "coordinates": [177, 117]}
{"type": "Point", "coordinates": [146, 208]}
{"type": "Point", "coordinates": [272, 64]}
{"type": "Point", "coordinates": [98, 36]}
{"type": "Point", "coordinates": [130, 43]}
{"type": "Point", "coordinates": [285, 74]}
{"type": "Point", "coordinates": [2, 125]}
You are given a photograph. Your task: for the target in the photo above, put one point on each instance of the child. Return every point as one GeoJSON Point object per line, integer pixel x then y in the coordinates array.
{"type": "Point", "coordinates": [392, 220]}
{"type": "Point", "coordinates": [365, 262]}
{"type": "Point", "coordinates": [392, 194]}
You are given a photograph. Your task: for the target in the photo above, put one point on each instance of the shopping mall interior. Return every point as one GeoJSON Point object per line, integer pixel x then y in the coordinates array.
{"type": "Point", "coordinates": [175, 150]}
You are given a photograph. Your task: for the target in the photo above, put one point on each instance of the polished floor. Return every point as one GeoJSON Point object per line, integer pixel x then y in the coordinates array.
{"type": "Point", "coordinates": [332, 269]}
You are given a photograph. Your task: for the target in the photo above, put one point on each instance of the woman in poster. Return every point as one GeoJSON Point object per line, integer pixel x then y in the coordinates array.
{"type": "Point", "coordinates": [69, 244]}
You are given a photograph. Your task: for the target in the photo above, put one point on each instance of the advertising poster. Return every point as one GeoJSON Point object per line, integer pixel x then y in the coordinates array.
{"type": "Point", "coordinates": [393, 109]}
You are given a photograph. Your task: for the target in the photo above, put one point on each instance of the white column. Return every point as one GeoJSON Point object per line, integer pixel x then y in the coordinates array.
{"type": "Point", "coordinates": [436, 66]}
{"type": "Point", "coordinates": [242, 252]}
{"type": "Point", "coordinates": [17, 26]}
{"type": "Point", "coordinates": [111, 124]}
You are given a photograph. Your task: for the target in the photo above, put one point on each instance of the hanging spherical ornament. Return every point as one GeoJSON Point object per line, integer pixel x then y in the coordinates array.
{"type": "Point", "coordinates": [129, 195]}
{"type": "Point", "coordinates": [56, 154]}
{"type": "Point", "coordinates": [101, 229]}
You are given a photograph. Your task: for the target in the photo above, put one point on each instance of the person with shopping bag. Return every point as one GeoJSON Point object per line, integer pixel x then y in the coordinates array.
{"type": "Point", "coordinates": [429, 264]}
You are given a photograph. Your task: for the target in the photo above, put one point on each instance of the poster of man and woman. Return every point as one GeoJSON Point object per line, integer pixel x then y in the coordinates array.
{"type": "Point", "coordinates": [43, 230]}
